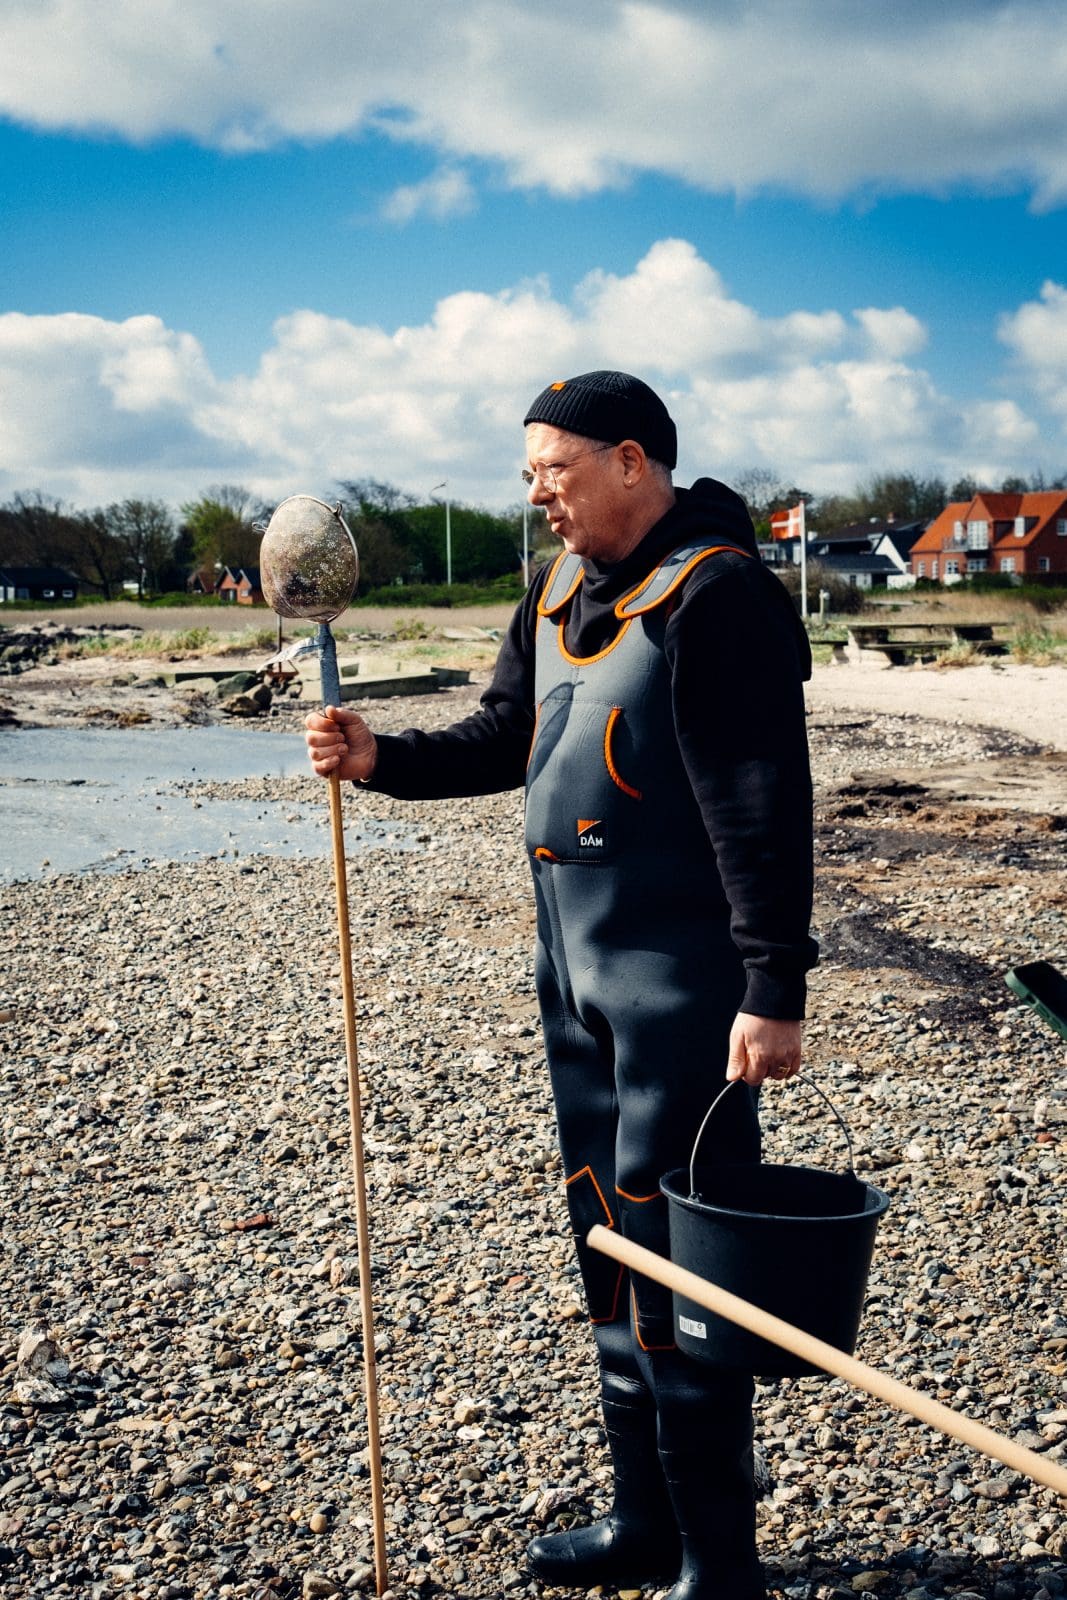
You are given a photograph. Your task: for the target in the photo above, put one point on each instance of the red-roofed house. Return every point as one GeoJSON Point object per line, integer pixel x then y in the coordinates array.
{"type": "Point", "coordinates": [1023, 535]}
{"type": "Point", "coordinates": [242, 586]}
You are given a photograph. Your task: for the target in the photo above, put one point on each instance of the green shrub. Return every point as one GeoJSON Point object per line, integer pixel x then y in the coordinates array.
{"type": "Point", "coordinates": [189, 639]}
{"type": "Point", "coordinates": [410, 628]}
{"type": "Point", "coordinates": [1038, 646]}
{"type": "Point", "coordinates": [845, 598]}
{"type": "Point", "coordinates": [502, 591]}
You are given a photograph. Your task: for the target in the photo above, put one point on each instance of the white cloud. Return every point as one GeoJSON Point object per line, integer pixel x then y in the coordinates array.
{"type": "Point", "coordinates": [821, 96]}
{"type": "Point", "coordinates": [893, 334]}
{"type": "Point", "coordinates": [91, 403]}
{"type": "Point", "coordinates": [96, 410]}
{"type": "Point", "coordinates": [447, 193]}
{"type": "Point", "coordinates": [673, 313]}
{"type": "Point", "coordinates": [1037, 335]}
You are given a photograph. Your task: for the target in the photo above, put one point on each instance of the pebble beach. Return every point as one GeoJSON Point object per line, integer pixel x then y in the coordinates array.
{"type": "Point", "coordinates": [179, 1234]}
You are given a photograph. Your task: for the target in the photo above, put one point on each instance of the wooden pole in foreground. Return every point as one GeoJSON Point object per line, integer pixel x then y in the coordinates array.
{"type": "Point", "coordinates": [820, 1354]}
{"type": "Point", "coordinates": [355, 1117]}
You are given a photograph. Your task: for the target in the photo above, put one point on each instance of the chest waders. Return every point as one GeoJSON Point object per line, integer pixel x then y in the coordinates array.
{"type": "Point", "coordinates": [638, 982]}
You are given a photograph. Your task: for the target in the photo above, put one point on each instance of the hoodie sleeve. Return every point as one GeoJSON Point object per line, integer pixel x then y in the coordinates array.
{"type": "Point", "coordinates": [737, 661]}
{"type": "Point", "coordinates": [485, 752]}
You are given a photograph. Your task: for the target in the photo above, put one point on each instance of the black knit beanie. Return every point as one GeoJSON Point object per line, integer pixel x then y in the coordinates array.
{"type": "Point", "coordinates": [612, 406]}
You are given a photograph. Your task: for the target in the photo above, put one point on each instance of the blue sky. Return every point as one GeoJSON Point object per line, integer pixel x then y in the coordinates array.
{"type": "Point", "coordinates": [278, 244]}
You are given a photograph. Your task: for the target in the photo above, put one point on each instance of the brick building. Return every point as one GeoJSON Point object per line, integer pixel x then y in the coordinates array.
{"type": "Point", "coordinates": [1023, 535]}
{"type": "Point", "coordinates": [241, 587]}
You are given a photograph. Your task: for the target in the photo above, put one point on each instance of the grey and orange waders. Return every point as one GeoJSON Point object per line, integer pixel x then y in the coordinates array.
{"type": "Point", "coordinates": [638, 982]}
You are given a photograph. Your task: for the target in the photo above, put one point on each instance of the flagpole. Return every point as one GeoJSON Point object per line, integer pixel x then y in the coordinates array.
{"type": "Point", "coordinates": [803, 561]}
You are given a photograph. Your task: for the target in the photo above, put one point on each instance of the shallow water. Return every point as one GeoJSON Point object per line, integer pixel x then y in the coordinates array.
{"type": "Point", "coordinates": [86, 800]}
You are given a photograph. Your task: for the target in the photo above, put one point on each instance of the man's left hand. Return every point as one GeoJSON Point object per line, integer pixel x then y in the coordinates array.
{"type": "Point", "coordinates": [762, 1047]}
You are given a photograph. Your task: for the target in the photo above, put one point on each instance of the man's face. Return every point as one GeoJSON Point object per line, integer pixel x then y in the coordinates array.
{"type": "Point", "coordinates": [583, 496]}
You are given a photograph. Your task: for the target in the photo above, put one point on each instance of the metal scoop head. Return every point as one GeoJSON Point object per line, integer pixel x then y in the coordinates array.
{"type": "Point", "coordinates": [308, 563]}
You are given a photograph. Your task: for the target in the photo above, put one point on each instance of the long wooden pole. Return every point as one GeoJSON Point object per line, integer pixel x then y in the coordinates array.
{"type": "Point", "coordinates": [820, 1354]}
{"type": "Point", "coordinates": [355, 1118]}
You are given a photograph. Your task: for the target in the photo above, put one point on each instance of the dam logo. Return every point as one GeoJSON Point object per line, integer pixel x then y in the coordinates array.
{"type": "Point", "coordinates": [588, 838]}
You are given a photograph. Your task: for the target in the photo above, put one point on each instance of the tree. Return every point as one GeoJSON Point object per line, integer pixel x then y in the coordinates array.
{"type": "Point", "coordinates": [763, 490]}
{"type": "Point", "coordinates": [38, 532]}
{"type": "Point", "coordinates": [221, 526]}
{"type": "Point", "coordinates": [373, 494]}
{"type": "Point", "coordinates": [382, 558]}
{"type": "Point", "coordinates": [399, 538]}
{"type": "Point", "coordinates": [483, 545]}
{"type": "Point", "coordinates": [145, 531]}
{"type": "Point", "coordinates": [376, 514]}
{"type": "Point", "coordinates": [902, 496]}
{"type": "Point", "coordinates": [102, 559]}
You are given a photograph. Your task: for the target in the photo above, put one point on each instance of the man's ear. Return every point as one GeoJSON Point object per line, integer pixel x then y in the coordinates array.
{"type": "Point", "coordinates": [634, 462]}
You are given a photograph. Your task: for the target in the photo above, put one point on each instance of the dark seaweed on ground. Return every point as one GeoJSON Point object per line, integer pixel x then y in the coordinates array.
{"type": "Point", "coordinates": [864, 940]}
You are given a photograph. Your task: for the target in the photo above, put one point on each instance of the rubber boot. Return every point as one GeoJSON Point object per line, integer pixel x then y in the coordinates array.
{"type": "Point", "coordinates": [638, 1540]}
{"type": "Point", "coordinates": [705, 1446]}
{"type": "Point", "coordinates": [718, 1529]}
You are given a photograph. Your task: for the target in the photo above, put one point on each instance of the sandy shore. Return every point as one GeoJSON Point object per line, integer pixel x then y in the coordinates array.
{"type": "Point", "coordinates": [1031, 701]}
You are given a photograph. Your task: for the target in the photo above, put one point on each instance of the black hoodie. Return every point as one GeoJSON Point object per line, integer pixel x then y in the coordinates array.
{"type": "Point", "coordinates": [737, 654]}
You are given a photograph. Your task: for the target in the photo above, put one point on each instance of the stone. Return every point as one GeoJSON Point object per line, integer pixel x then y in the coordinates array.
{"type": "Point", "coordinates": [238, 683]}
{"type": "Point", "coordinates": [317, 1586]}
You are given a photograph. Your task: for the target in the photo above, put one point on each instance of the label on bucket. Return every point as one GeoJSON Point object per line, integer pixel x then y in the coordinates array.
{"type": "Point", "coordinates": [696, 1330]}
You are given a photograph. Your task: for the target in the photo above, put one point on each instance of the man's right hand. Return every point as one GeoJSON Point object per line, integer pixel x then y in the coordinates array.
{"type": "Point", "coordinates": [340, 741]}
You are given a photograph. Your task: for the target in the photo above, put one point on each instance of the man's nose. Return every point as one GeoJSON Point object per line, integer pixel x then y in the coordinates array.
{"type": "Point", "coordinates": [539, 494]}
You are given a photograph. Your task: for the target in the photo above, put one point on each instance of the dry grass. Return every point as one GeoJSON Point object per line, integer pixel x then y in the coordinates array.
{"type": "Point", "coordinates": [964, 605]}
{"type": "Point", "coordinates": [1036, 637]}
{"type": "Point", "coordinates": [960, 655]}
{"type": "Point", "coordinates": [237, 620]}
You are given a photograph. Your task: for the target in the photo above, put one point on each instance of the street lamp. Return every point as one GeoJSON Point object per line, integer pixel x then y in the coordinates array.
{"type": "Point", "coordinates": [525, 545]}
{"type": "Point", "coordinates": [448, 530]}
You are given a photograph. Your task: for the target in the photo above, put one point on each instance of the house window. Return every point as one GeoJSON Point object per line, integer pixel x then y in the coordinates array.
{"type": "Point", "coordinates": [48, 594]}
{"type": "Point", "coordinates": [1007, 563]}
{"type": "Point", "coordinates": [1061, 527]}
{"type": "Point", "coordinates": [1043, 564]}
{"type": "Point", "coordinates": [920, 571]}
{"type": "Point", "coordinates": [951, 568]}
{"type": "Point", "coordinates": [977, 563]}
{"type": "Point", "coordinates": [933, 568]}
{"type": "Point", "coordinates": [978, 535]}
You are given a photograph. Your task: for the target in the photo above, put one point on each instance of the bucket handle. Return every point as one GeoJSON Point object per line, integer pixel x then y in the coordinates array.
{"type": "Point", "coordinates": [798, 1077]}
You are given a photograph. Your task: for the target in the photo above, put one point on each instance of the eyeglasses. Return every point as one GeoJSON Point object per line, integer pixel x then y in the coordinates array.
{"type": "Point", "coordinates": [547, 473]}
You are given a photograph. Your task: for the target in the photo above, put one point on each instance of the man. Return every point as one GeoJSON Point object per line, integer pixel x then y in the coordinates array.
{"type": "Point", "coordinates": [648, 694]}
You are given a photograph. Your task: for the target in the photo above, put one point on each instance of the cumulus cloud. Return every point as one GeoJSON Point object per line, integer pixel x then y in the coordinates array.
{"type": "Point", "coordinates": [1037, 335]}
{"type": "Point", "coordinates": [95, 409]}
{"type": "Point", "coordinates": [446, 193]}
{"type": "Point", "coordinates": [822, 96]}
{"type": "Point", "coordinates": [894, 333]}
{"type": "Point", "coordinates": [90, 404]}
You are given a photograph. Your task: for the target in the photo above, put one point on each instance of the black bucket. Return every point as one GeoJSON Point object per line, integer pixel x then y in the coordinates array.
{"type": "Point", "coordinates": [795, 1241]}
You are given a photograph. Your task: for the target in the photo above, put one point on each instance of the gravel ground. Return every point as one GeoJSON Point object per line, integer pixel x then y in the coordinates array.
{"type": "Point", "coordinates": [179, 1215]}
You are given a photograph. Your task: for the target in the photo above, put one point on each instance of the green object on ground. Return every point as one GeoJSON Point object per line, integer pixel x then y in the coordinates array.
{"type": "Point", "coordinates": [1042, 986]}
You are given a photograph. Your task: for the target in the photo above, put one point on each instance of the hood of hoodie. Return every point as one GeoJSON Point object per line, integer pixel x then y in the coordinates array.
{"type": "Point", "coordinates": [708, 510]}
